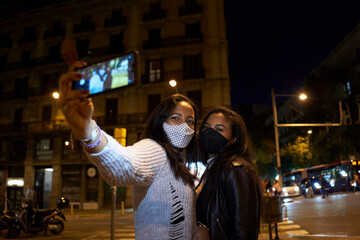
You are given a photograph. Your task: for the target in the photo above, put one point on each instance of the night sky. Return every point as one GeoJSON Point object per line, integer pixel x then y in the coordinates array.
{"type": "Point", "coordinates": [275, 44]}
{"type": "Point", "coordinates": [272, 44]}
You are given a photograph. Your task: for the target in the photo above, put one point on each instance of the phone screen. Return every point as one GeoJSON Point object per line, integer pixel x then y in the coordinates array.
{"type": "Point", "coordinates": [107, 75]}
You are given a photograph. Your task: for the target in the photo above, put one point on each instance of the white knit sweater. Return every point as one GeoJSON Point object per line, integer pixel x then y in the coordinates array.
{"type": "Point", "coordinates": [164, 207]}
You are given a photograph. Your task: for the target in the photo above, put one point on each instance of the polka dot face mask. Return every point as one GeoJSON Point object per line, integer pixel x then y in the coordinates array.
{"type": "Point", "coordinates": [179, 135]}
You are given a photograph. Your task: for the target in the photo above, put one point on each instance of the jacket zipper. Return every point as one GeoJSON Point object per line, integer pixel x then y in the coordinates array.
{"type": "Point", "coordinates": [221, 228]}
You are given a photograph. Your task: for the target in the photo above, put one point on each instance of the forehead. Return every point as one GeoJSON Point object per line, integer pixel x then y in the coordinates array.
{"type": "Point", "coordinates": [218, 118]}
{"type": "Point", "coordinates": [184, 107]}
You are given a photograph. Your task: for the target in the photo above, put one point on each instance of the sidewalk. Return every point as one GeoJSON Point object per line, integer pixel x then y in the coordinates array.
{"type": "Point", "coordinates": [96, 212]}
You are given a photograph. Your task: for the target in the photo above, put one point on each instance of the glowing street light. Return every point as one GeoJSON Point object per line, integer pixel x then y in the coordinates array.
{"type": "Point", "coordinates": [303, 96]}
{"type": "Point", "coordinates": [309, 131]}
{"type": "Point", "coordinates": [55, 95]}
{"type": "Point", "coordinates": [277, 125]}
{"type": "Point", "coordinates": [173, 84]}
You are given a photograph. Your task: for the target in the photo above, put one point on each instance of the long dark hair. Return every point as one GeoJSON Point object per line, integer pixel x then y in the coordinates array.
{"type": "Point", "coordinates": [154, 130]}
{"type": "Point", "coordinates": [239, 148]}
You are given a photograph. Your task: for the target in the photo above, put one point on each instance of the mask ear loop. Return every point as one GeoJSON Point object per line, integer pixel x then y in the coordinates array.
{"type": "Point", "coordinates": [233, 140]}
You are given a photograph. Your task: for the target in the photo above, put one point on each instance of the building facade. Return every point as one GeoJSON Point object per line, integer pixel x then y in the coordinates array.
{"type": "Point", "coordinates": [183, 40]}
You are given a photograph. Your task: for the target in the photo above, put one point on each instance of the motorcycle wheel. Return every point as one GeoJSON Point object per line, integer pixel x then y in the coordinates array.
{"type": "Point", "coordinates": [14, 231]}
{"type": "Point", "coordinates": [56, 226]}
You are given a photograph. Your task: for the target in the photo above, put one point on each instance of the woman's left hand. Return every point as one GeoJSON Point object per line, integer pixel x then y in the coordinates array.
{"type": "Point", "coordinates": [201, 234]}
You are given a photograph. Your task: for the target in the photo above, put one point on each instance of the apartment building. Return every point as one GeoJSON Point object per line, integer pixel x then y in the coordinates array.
{"type": "Point", "coordinates": [183, 40]}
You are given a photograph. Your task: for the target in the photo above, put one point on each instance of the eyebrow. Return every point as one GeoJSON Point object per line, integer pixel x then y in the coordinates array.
{"type": "Point", "coordinates": [175, 113]}
{"type": "Point", "coordinates": [216, 125]}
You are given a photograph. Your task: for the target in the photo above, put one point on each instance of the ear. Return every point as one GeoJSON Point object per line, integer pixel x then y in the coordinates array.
{"type": "Point", "coordinates": [233, 140]}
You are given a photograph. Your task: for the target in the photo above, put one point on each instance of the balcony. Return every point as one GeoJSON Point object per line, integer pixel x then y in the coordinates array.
{"type": "Point", "coordinates": [5, 43]}
{"type": "Point", "coordinates": [54, 33]}
{"type": "Point", "coordinates": [154, 15]}
{"type": "Point", "coordinates": [84, 27]}
{"type": "Point", "coordinates": [115, 21]}
{"type": "Point", "coordinates": [27, 39]}
{"type": "Point", "coordinates": [173, 41]}
{"type": "Point", "coordinates": [191, 9]}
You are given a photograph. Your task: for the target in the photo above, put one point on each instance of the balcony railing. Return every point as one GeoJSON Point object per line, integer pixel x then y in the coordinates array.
{"type": "Point", "coordinates": [188, 10]}
{"type": "Point", "coordinates": [150, 16]}
{"type": "Point", "coordinates": [60, 125]}
{"type": "Point", "coordinates": [54, 33]}
{"type": "Point", "coordinates": [88, 27]}
{"type": "Point", "coordinates": [112, 22]}
{"type": "Point", "coordinates": [27, 39]}
{"type": "Point", "coordinates": [173, 41]}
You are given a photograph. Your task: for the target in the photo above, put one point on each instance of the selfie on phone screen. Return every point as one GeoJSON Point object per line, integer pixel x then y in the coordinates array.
{"type": "Point", "coordinates": [108, 75]}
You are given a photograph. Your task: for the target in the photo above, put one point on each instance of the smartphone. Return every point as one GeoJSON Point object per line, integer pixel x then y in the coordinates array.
{"type": "Point", "coordinates": [107, 75]}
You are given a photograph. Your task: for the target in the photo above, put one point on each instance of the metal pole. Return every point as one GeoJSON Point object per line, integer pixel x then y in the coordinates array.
{"type": "Point", "coordinates": [278, 162]}
{"type": "Point", "coordinates": [113, 209]}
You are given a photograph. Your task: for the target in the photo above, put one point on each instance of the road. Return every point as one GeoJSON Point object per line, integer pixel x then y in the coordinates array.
{"type": "Point", "coordinates": [336, 217]}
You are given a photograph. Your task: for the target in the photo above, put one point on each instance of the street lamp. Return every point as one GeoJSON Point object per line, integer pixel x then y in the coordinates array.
{"type": "Point", "coordinates": [173, 84]}
{"type": "Point", "coordinates": [55, 95]}
{"type": "Point", "coordinates": [302, 96]}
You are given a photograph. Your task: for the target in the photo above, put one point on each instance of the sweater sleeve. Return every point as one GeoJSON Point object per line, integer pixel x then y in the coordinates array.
{"type": "Point", "coordinates": [132, 165]}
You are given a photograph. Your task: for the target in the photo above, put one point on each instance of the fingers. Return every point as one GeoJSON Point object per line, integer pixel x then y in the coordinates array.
{"type": "Point", "coordinates": [77, 65]}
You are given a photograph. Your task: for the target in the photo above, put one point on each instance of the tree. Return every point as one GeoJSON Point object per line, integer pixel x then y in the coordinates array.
{"type": "Point", "coordinates": [299, 153]}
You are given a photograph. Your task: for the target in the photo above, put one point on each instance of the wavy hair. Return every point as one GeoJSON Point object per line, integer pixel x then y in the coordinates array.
{"type": "Point", "coordinates": [154, 130]}
{"type": "Point", "coordinates": [238, 148]}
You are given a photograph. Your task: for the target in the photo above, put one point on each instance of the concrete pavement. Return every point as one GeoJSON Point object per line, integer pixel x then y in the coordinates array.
{"type": "Point", "coordinates": [286, 229]}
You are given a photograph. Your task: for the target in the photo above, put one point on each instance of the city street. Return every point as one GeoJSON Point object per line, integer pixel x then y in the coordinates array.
{"type": "Point", "coordinates": [335, 217]}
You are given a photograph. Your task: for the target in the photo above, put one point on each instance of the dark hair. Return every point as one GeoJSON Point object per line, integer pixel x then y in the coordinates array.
{"type": "Point", "coordinates": [241, 145]}
{"type": "Point", "coordinates": [238, 149]}
{"type": "Point", "coordinates": [154, 130]}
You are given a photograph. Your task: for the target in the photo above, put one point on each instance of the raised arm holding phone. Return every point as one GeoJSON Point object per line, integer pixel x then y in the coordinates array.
{"type": "Point", "coordinates": [163, 191]}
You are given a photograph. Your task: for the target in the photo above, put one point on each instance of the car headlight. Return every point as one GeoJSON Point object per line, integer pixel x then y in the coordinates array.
{"type": "Point", "coordinates": [297, 189]}
{"type": "Point", "coordinates": [284, 189]}
{"type": "Point", "coordinates": [317, 185]}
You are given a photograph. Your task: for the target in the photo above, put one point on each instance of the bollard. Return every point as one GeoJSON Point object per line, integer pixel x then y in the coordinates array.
{"type": "Point", "coordinates": [122, 208]}
{"type": "Point", "coordinates": [71, 209]}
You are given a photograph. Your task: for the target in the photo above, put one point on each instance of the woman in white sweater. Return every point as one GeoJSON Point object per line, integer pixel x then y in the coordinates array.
{"type": "Point", "coordinates": [163, 193]}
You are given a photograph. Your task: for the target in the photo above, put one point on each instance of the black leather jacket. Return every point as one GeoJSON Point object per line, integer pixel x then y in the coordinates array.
{"type": "Point", "coordinates": [234, 211]}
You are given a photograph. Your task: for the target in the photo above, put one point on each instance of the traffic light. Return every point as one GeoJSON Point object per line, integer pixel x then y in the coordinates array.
{"type": "Point", "coordinates": [120, 135]}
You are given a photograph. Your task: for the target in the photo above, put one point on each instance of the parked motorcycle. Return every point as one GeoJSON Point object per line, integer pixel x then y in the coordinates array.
{"type": "Point", "coordinates": [8, 222]}
{"type": "Point", "coordinates": [31, 220]}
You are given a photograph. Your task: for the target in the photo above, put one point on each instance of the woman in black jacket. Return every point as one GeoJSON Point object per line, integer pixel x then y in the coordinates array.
{"type": "Point", "coordinates": [229, 203]}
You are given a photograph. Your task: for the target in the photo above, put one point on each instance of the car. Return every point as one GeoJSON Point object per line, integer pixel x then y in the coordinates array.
{"type": "Point", "coordinates": [290, 189]}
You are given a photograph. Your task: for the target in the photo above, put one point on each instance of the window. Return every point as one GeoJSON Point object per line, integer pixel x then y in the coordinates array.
{"type": "Point", "coordinates": [111, 111]}
{"type": "Point", "coordinates": [155, 6]}
{"type": "Point", "coordinates": [153, 101]}
{"type": "Point", "coordinates": [85, 25]}
{"type": "Point", "coordinates": [47, 113]}
{"type": "Point", "coordinates": [192, 66]}
{"type": "Point", "coordinates": [192, 30]}
{"type": "Point", "coordinates": [29, 35]}
{"type": "Point", "coordinates": [155, 70]}
{"type": "Point", "coordinates": [116, 43]}
{"type": "Point", "coordinates": [43, 145]}
{"type": "Point", "coordinates": [54, 53]}
{"type": "Point", "coordinates": [5, 40]}
{"type": "Point", "coordinates": [3, 62]}
{"type": "Point", "coordinates": [21, 86]}
{"type": "Point", "coordinates": [116, 19]}
{"type": "Point", "coordinates": [155, 35]}
{"type": "Point", "coordinates": [83, 48]}
{"type": "Point", "coordinates": [18, 115]}
{"type": "Point", "coordinates": [25, 58]}
{"type": "Point", "coordinates": [195, 96]}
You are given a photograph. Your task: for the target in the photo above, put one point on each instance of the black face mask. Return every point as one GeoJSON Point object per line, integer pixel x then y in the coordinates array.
{"type": "Point", "coordinates": [211, 141]}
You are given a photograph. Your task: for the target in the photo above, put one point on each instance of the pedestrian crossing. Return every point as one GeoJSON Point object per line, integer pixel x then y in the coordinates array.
{"type": "Point", "coordinates": [286, 228]}
{"type": "Point", "coordinates": [125, 233]}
